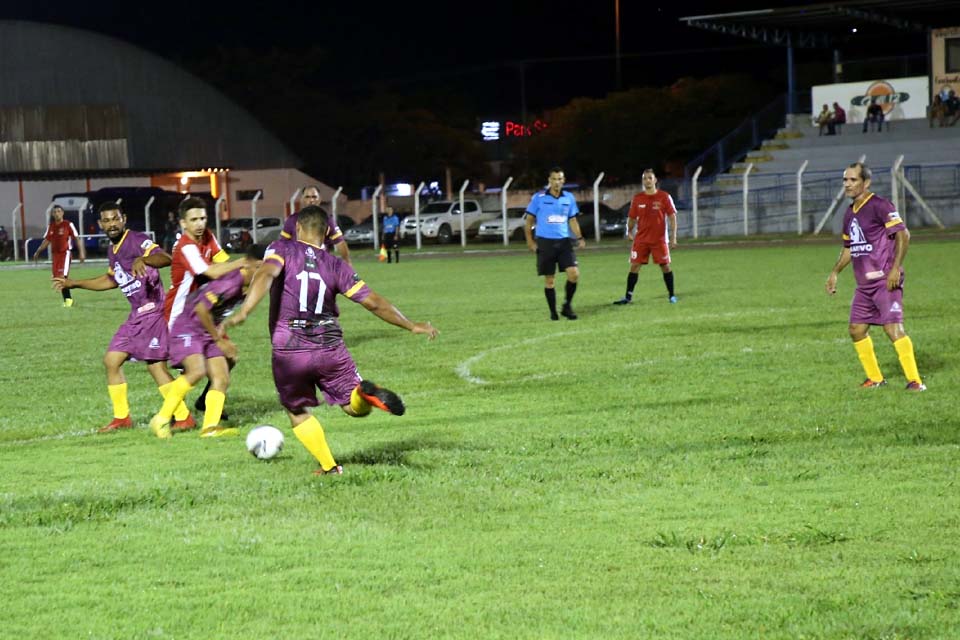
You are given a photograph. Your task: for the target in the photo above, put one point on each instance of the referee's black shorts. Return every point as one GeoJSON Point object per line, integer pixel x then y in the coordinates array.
{"type": "Point", "coordinates": [554, 253]}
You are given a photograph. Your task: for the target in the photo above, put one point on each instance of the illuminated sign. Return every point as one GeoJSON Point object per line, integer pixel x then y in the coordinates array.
{"type": "Point", "coordinates": [491, 130]}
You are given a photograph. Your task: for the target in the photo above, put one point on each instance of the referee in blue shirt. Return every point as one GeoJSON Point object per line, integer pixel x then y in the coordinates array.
{"type": "Point", "coordinates": [554, 212]}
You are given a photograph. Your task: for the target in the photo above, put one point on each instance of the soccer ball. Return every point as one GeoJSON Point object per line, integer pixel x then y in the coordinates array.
{"type": "Point", "coordinates": [265, 442]}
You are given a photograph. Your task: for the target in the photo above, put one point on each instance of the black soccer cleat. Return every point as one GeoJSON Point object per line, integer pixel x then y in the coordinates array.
{"type": "Point", "coordinates": [567, 312]}
{"type": "Point", "coordinates": [381, 398]}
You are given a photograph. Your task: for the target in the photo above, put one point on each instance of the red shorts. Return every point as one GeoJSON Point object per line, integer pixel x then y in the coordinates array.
{"type": "Point", "coordinates": [61, 264]}
{"type": "Point", "coordinates": [641, 251]}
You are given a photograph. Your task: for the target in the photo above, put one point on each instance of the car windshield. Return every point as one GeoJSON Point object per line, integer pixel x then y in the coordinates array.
{"type": "Point", "coordinates": [436, 207]}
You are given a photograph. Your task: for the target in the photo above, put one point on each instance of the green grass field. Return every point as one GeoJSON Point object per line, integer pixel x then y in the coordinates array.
{"type": "Point", "coordinates": [702, 470]}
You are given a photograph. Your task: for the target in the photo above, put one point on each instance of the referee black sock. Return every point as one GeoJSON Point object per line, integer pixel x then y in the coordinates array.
{"type": "Point", "coordinates": [66, 294]}
{"type": "Point", "coordinates": [570, 289]}
{"type": "Point", "coordinates": [551, 300]}
{"type": "Point", "coordinates": [668, 280]}
{"type": "Point", "coordinates": [631, 283]}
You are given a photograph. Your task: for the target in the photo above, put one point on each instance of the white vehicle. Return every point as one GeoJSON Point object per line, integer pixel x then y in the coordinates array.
{"type": "Point", "coordinates": [493, 229]}
{"type": "Point", "coordinates": [441, 220]}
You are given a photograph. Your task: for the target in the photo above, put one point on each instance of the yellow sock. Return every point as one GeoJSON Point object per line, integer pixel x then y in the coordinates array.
{"type": "Point", "coordinates": [908, 362]}
{"type": "Point", "coordinates": [868, 358]}
{"type": "Point", "coordinates": [211, 417]}
{"type": "Point", "coordinates": [173, 394]}
{"type": "Point", "coordinates": [360, 406]}
{"type": "Point", "coordinates": [310, 434]}
{"type": "Point", "coordinates": [118, 396]}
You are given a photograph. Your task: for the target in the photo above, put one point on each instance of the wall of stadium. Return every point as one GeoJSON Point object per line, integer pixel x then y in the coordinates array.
{"type": "Point", "coordinates": [945, 59]}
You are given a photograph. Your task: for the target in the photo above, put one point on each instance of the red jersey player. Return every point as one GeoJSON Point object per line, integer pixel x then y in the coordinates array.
{"type": "Point", "coordinates": [59, 237]}
{"type": "Point", "coordinates": [197, 257]}
{"type": "Point", "coordinates": [647, 225]}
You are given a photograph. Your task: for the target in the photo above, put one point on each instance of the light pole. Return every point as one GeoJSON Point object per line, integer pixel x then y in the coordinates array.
{"type": "Point", "coordinates": [616, 13]}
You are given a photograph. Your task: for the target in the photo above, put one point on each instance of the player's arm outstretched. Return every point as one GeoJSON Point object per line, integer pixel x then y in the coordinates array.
{"type": "Point", "coordinates": [383, 309]}
{"type": "Point", "coordinates": [100, 283]}
{"type": "Point", "coordinates": [841, 264]}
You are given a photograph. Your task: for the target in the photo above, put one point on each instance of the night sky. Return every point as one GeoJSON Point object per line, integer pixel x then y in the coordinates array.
{"type": "Point", "coordinates": [434, 42]}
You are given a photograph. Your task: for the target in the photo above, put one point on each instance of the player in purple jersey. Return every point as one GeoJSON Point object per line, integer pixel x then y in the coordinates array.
{"type": "Point", "coordinates": [198, 346]}
{"type": "Point", "coordinates": [132, 259]}
{"type": "Point", "coordinates": [333, 238]}
{"type": "Point", "coordinates": [875, 240]}
{"type": "Point", "coordinates": [308, 349]}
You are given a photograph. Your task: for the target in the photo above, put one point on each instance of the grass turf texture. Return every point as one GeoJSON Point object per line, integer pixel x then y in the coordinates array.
{"type": "Point", "coordinates": [700, 470]}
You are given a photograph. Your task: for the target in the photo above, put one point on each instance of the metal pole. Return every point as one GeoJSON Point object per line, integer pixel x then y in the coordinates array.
{"type": "Point", "coordinates": [503, 208]}
{"type": "Point", "coordinates": [218, 212]}
{"type": "Point", "coordinates": [803, 168]}
{"type": "Point", "coordinates": [333, 202]}
{"type": "Point", "coordinates": [253, 209]}
{"type": "Point", "coordinates": [375, 210]}
{"type": "Point", "coordinates": [293, 199]}
{"type": "Point", "coordinates": [746, 194]}
{"type": "Point", "coordinates": [696, 198]}
{"type": "Point", "coordinates": [791, 101]}
{"type": "Point", "coordinates": [596, 206]}
{"type": "Point", "coordinates": [416, 213]}
{"type": "Point", "coordinates": [463, 225]}
{"type": "Point", "coordinates": [616, 12]}
{"type": "Point", "coordinates": [83, 240]}
{"type": "Point", "coordinates": [895, 188]}
{"type": "Point", "coordinates": [13, 228]}
{"type": "Point", "coordinates": [922, 202]}
{"type": "Point", "coordinates": [146, 215]}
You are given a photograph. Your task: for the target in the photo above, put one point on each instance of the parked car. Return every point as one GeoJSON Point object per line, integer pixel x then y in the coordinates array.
{"type": "Point", "coordinates": [360, 234]}
{"type": "Point", "coordinates": [493, 229]}
{"type": "Point", "coordinates": [609, 220]}
{"type": "Point", "coordinates": [441, 220]}
{"type": "Point", "coordinates": [268, 230]}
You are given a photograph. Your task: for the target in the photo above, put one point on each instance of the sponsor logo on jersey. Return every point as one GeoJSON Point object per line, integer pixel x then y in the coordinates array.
{"type": "Point", "coordinates": [895, 308]}
{"type": "Point", "coordinates": [154, 343]}
{"type": "Point", "coordinates": [858, 240]}
{"type": "Point", "coordinates": [894, 215]}
{"type": "Point", "coordinates": [556, 219]}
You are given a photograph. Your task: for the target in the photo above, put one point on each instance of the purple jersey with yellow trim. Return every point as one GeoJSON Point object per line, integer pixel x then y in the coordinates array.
{"type": "Point", "coordinates": [869, 231]}
{"type": "Point", "coordinates": [145, 293]}
{"type": "Point", "coordinates": [303, 306]}
{"type": "Point", "coordinates": [330, 240]}
{"type": "Point", "coordinates": [219, 296]}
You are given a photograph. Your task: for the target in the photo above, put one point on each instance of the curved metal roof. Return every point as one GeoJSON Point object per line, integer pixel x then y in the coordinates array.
{"type": "Point", "coordinates": [83, 81]}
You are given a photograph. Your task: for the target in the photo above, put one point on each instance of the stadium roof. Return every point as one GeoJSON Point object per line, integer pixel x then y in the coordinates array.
{"type": "Point", "coordinates": [830, 24]}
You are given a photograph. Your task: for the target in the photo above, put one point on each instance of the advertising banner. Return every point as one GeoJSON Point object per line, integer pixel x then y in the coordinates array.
{"type": "Point", "coordinates": [900, 98]}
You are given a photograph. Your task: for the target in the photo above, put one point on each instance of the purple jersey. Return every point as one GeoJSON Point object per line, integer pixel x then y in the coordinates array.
{"type": "Point", "coordinates": [333, 237]}
{"type": "Point", "coordinates": [145, 293]}
{"type": "Point", "coordinates": [219, 296]}
{"type": "Point", "coordinates": [303, 307]}
{"type": "Point", "coordinates": [869, 231]}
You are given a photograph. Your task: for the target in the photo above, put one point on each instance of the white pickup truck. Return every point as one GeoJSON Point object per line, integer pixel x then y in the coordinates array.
{"type": "Point", "coordinates": [441, 220]}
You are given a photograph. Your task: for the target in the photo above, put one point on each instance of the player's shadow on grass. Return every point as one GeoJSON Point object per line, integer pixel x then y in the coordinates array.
{"type": "Point", "coordinates": [395, 453]}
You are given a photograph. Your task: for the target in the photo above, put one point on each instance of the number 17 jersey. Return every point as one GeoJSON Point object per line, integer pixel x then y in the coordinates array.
{"type": "Point", "coordinates": [303, 306]}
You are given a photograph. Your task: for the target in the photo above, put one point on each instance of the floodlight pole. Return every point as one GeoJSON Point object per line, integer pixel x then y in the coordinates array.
{"type": "Point", "coordinates": [416, 213]}
{"type": "Point", "coordinates": [293, 199]}
{"type": "Point", "coordinates": [596, 206]}
{"type": "Point", "coordinates": [503, 209]}
{"type": "Point", "coordinates": [13, 228]}
{"type": "Point", "coordinates": [218, 212]}
{"type": "Point", "coordinates": [463, 224]}
{"type": "Point", "coordinates": [374, 209]}
{"type": "Point", "coordinates": [253, 208]}
{"type": "Point", "coordinates": [803, 168]}
{"type": "Point", "coordinates": [146, 214]}
{"type": "Point", "coordinates": [746, 199]}
{"type": "Point", "coordinates": [333, 202]}
{"type": "Point", "coordinates": [694, 183]}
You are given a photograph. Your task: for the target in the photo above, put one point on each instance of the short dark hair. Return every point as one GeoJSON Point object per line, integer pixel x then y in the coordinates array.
{"type": "Point", "coordinates": [648, 170]}
{"type": "Point", "coordinates": [311, 186]}
{"type": "Point", "coordinates": [865, 173]}
{"type": "Point", "coordinates": [556, 170]}
{"type": "Point", "coordinates": [256, 251]}
{"type": "Point", "coordinates": [192, 202]}
{"type": "Point", "coordinates": [109, 205]}
{"type": "Point", "coordinates": [313, 218]}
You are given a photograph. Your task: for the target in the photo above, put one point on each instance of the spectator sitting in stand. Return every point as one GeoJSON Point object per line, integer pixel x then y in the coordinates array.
{"type": "Point", "coordinates": [825, 121]}
{"type": "Point", "coordinates": [839, 118]}
{"type": "Point", "coordinates": [938, 112]}
{"type": "Point", "coordinates": [6, 246]}
{"type": "Point", "coordinates": [952, 104]}
{"type": "Point", "coordinates": [874, 114]}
